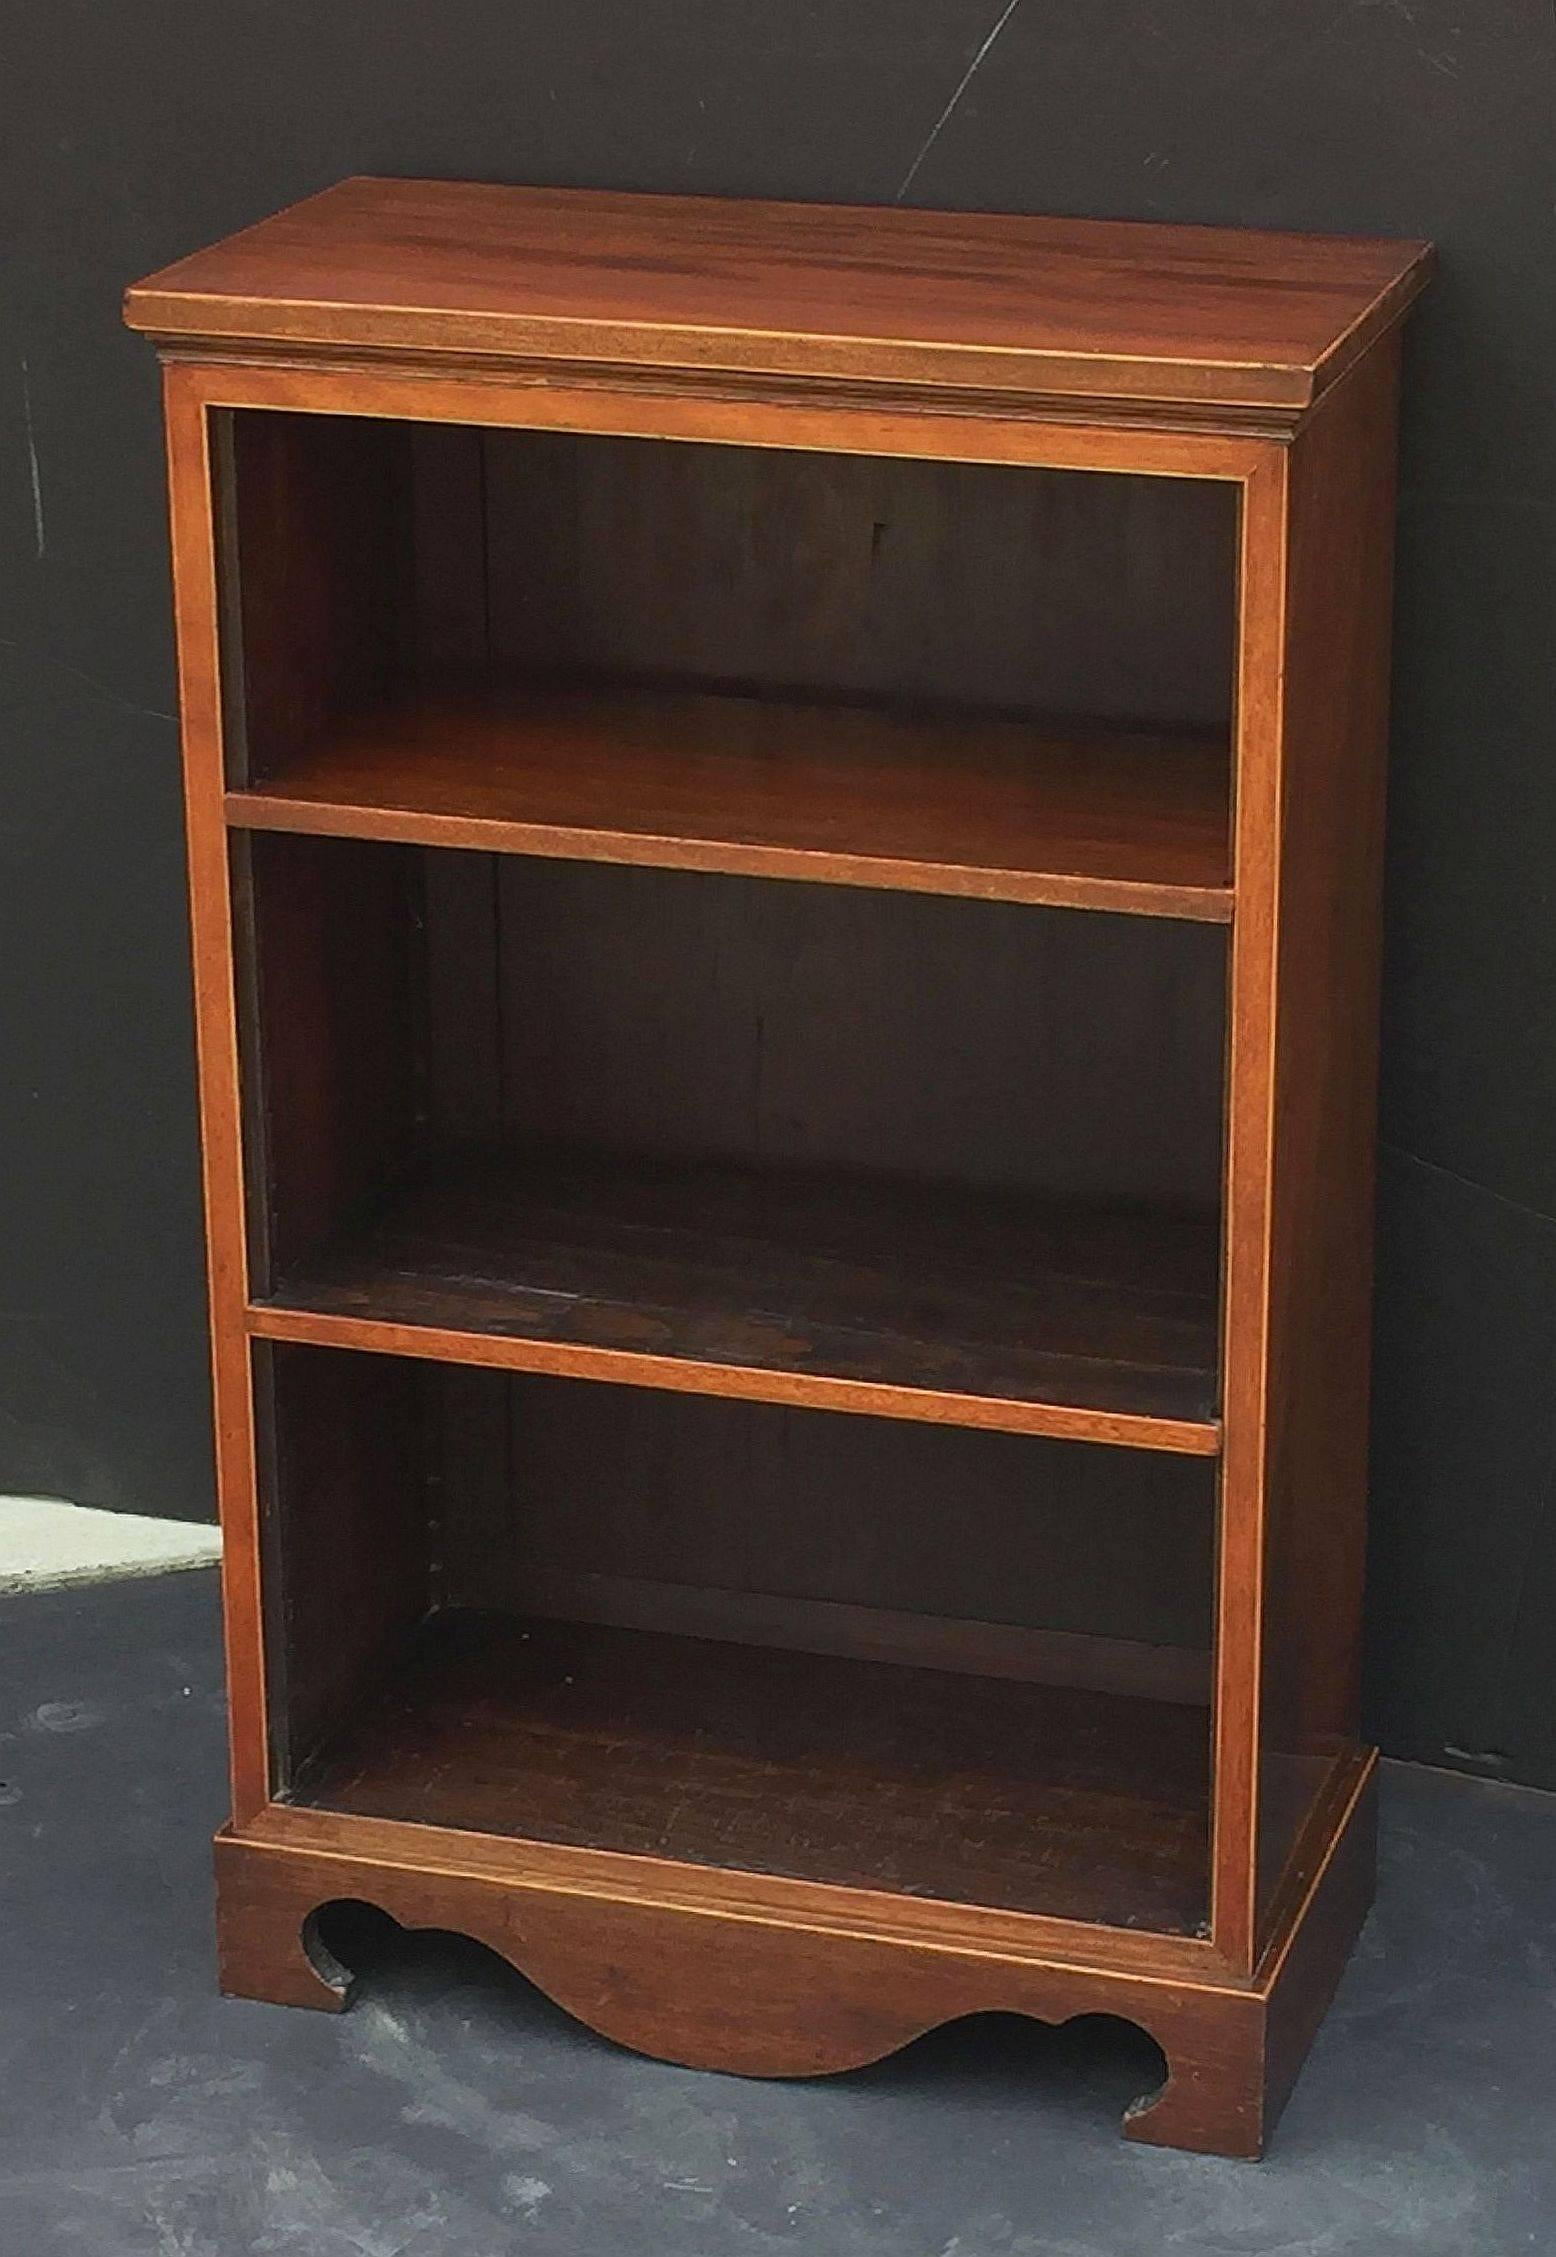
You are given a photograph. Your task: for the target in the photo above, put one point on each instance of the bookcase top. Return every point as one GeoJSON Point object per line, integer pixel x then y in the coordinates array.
{"type": "Point", "coordinates": [1119, 314]}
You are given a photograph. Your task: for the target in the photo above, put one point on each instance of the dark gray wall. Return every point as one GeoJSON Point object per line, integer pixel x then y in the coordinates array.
{"type": "Point", "coordinates": [133, 133]}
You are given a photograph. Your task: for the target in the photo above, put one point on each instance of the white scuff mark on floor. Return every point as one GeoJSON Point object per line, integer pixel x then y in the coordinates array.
{"type": "Point", "coordinates": [526, 2195]}
{"type": "Point", "coordinates": [46, 1541]}
{"type": "Point", "coordinates": [396, 2048]}
{"type": "Point", "coordinates": [950, 109]}
{"type": "Point", "coordinates": [66, 1716]}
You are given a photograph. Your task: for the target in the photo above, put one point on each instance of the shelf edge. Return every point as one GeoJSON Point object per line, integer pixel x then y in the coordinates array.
{"type": "Point", "coordinates": [747, 1383]}
{"type": "Point", "coordinates": [269, 811]}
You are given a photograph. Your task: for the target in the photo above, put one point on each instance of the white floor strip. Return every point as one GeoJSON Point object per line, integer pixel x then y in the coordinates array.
{"type": "Point", "coordinates": [45, 1541]}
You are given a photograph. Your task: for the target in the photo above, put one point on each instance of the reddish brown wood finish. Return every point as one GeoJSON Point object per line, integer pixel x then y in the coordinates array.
{"type": "Point", "coordinates": [347, 1574]}
{"type": "Point", "coordinates": [192, 502]}
{"type": "Point", "coordinates": [1096, 309]}
{"type": "Point", "coordinates": [1334, 723]}
{"type": "Point", "coordinates": [790, 1980]}
{"type": "Point", "coordinates": [868, 1775]}
{"type": "Point", "coordinates": [929, 588]}
{"type": "Point", "coordinates": [963, 1644]}
{"type": "Point", "coordinates": [995, 809]}
{"type": "Point", "coordinates": [789, 1287]}
{"type": "Point", "coordinates": [1317, 549]}
{"type": "Point", "coordinates": [1264, 363]}
{"type": "Point", "coordinates": [315, 643]}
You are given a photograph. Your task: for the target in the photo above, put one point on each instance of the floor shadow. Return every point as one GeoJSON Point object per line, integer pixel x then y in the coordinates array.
{"type": "Point", "coordinates": [1096, 2062]}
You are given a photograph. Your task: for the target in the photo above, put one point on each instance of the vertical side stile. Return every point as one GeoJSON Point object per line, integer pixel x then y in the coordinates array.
{"type": "Point", "coordinates": [192, 505]}
{"type": "Point", "coordinates": [1249, 1202]}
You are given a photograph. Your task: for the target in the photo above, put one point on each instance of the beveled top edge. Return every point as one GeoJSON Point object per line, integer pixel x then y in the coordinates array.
{"type": "Point", "coordinates": [1105, 310]}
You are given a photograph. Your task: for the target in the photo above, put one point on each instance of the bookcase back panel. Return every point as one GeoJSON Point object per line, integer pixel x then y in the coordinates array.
{"type": "Point", "coordinates": [870, 1535]}
{"type": "Point", "coordinates": [668, 1012]}
{"type": "Point", "coordinates": [967, 585]}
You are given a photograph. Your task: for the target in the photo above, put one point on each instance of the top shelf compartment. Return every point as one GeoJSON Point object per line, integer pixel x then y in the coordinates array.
{"type": "Point", "coordinates": [942, 677]}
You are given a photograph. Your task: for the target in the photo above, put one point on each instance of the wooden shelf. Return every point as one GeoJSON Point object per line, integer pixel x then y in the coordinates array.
{"type": "Point", "coordinates": [1086, 1806]}
{"type": "Point", "coordinates": [1005, 810]}
{"type": "Point", "coordinates": [945, 1305]}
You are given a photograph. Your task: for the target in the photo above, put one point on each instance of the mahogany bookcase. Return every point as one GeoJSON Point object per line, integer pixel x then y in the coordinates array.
{"type": "Point", "coordinates": [784, 819]}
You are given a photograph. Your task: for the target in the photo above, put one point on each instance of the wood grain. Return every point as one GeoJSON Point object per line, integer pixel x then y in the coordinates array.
{"type": "Point", "coordinates": [344, 1510]}
{"type": "Point", "coordinates": [722, 1518]}
{"type": "Point", "coordinates": [1001, 1047]}
{"type": "Point", "coordinates": [1031, 1656]}
{"type": "Point", "coordinates": [935, 599]}
{"type": "Point", "coordinates": [799, 416]}
{"type": "Point", "coordinates": [1052, 306]}
{"type": "Point", "coordinates": [817, 1280]}
{"type": "Point", "coordinates": [1080, 1805]}
{"type": "Point", "coordinates": [314, 556]}
{"type": "Point", "coordinates": [913, 586]}
{"type": "Point", "coordinates": [865, 1197]}
{"type": "Point", "coordinates": [958, 805]}
{"type": "Point", "coordinates": [1249, 1161]}
{"type": "Point", "coordinates": [1318, 538]}
{"type": "Point", "coordinates": [326, 943]}
{"type": "Point", "coordinates": [768, 1978]}
{"type": "Point", "coordinates": [192, 510]}
{"type": "Point", "coordinates": [1335, 737]}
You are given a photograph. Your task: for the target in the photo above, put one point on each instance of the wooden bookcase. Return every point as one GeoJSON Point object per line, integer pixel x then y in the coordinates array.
{"type": "Point", "coordinates": [784, 812]}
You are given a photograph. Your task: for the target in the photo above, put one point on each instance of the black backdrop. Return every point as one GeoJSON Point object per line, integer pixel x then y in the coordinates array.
{"type": "Point", "coordinates": [131, 133]}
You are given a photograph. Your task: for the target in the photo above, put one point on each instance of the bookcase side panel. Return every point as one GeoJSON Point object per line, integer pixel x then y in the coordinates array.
{"type": "Point", "coordinates": [1338, 606]}
{"type": "Point", "coordinates": [349, 1527]}
{"type": "Point", "coordinates": [315, 511]}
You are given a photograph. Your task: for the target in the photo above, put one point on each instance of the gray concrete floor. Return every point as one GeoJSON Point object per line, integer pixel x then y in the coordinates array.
{"type": "Point", "coordinates": [455, 2113]}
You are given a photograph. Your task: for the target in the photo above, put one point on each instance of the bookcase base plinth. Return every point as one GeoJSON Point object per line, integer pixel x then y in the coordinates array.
{"type": "Point", "coordinates": [757, 1993]}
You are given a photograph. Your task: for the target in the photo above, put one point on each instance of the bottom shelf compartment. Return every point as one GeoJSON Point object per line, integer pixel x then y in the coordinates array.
{"type": "Point", "coordinates": [1037, 1798]}
{"type": "Point", "coordinates": [848, 1651]}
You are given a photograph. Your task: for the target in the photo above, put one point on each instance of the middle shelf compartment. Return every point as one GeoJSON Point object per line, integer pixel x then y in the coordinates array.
{"type": "Point", "coordinates": [879, 1152]}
